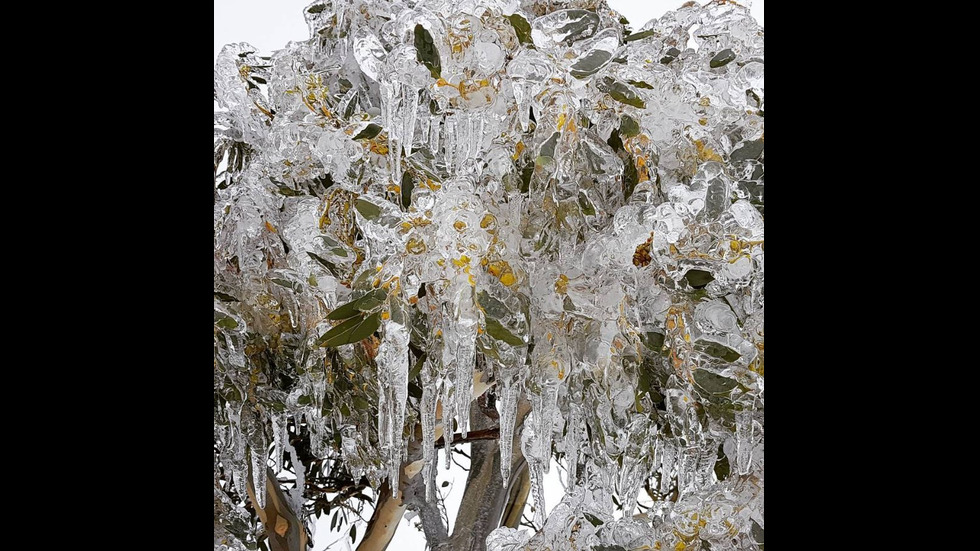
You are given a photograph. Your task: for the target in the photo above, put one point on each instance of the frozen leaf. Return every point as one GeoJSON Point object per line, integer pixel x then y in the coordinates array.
{"type": "Point", "coordinates": [499, 332]}
{"type": "Point", "coordinates": [353, 330]}
{"type": "Point", "coordinates": [369, 132]}
{"type": "Point", "coordinates": [713, 383]}
{"type": "Point", "coordinates": [521, 28]}
{"type": "Point", "coordinates": [722, 58]}
{"type": "Point", "coordinates": [427, 52]}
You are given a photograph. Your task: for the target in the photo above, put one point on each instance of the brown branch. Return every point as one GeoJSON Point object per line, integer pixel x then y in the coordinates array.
{"type": "Point", "coordinates": [471, 436]}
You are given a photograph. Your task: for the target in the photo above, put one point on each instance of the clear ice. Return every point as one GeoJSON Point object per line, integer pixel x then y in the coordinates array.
{"type": "Point", "coordinates": [532, 196]}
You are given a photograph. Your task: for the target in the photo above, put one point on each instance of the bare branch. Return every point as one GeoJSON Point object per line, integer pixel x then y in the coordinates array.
{"type": "Point", "coordinates": [472, 436]}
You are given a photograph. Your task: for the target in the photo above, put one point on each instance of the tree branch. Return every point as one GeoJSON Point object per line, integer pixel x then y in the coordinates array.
{"type": "Point", "coordinates": [472, 436]}
{"type": "Point", "coordinates": [282, 526]}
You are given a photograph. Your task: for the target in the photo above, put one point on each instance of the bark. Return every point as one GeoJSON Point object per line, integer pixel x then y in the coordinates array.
{"type": "Point", "coordinates": [486, 496]}
{"type": "Point", "coordinates": [519, 491]}
{"type": "Point", "coordinates": [284, 529]}
{"type": "Point", "coordinates": [387, 514]}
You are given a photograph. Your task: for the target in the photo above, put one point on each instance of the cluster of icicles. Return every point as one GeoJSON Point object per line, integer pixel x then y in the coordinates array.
{"type": "Point", "coordinates": [514, 195]}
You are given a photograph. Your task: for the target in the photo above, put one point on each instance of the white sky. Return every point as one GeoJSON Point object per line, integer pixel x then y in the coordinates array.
{"type": "Point", "coordinates": [268, 25]}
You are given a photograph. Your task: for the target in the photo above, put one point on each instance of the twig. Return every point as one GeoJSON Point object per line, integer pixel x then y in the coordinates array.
{"type": "Point", "coordinates": [472, 436]}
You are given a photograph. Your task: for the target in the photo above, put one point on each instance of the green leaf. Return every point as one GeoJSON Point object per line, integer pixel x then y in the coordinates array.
{"type": "Point", "coordinates": [581, 24]}
{"type": "Point", "coordinates": [749, 150]}
{"type": "Point", "coordinates": [426, 51]}
{"type": "Point", "coordinates": [596, 521]}
{"type": "Point", "coordinates": [590, 64]}
{"type": "Point", "coordinates": [367, 209]}
{"type": "Point", "coordinates": [367, 302]}
{"type": "Point", "coordinates": [317, 8]}
{"type": "Point", "coordinates": [641, 84]}
{"type": "Point", "coordinates": [344, 311]}
{"type": "Point", "coordinates": [713, 383]}
{"type": "Point", "coordinates": [548, 148]}
{"type": "Point", "coordinates": [414, 390]}
{"type": "Point", "coordinates": [227, 322]}
{"type": "Point", "coordinates": [722, 58]}
{"type": "Point", "coordinates": [631, 176]}
{"type": "Point", "coordinates": [670, 55]}
{"type": "Point", "coordinates": [291, 285]}
{"type": "Point", "coordinates": [491, 306]}
{"type": "Point", "coordinates": [369, 132]}
{"type": "Point", "coordinates": [408, 184]}
{"type": "Point", "coordinates": [330, 266]}
{"type": "Point", "coordinates": [653, 340]}
{"type": "Point", "coordinates": [719, 351]}
{"type": "Point", "coordinates": [353, 330]}
{"type": "Point", "coordinates": [501, 333]}
{"type": "Point", "coordinates": [639, 36]}
{"type": "Point", "coordinates": [629, 127]}
{"type": "Point", "coordinates": [622, 92]}
{"type": "Point", "coordinates": [223, 297]}
{"type": "Point", "coordinates": [585, 204]}
{"type": "Point", "coordinates": [333, 521]}
{"type": "Point", "coordinates": [521, 28]}
{"type": "Point", "coordinates": [417, 368]}
{"type": "Point", "coordinates": [526, 174]}
{"type": "Point", "coordinates": [722, 467]}
{"type": "Point", "coordinates": [361, 404]}
{"type": "Point", "coordinates": [758, 534]}
{"type": "Point", "coordinates": [698, 278]}
{"type": "Point", "coordinates": [353, 533]}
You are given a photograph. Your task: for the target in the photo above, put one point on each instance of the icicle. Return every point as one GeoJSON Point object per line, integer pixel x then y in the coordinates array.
{"type": "Point", "coordinates": [449, 136]}
{"type": "Point", "coordinates": [545, 408]}
{"type": "Point", "coordinates": [743, 441]}
{"type": "Point", "coordinates": [466, 326]}
{"type": "Point", "coordinates": [392, 360]}
{"type": "Point", "coordinates": [239, 481]}
{"type": "Point", "coordinates": [390, 101]}
{"type": "Point", "coordinates": [462, 137]}
{"type": "Point", "coordinates": [666, 467]}
{"type": "Point", "coordinates": [278, 435]}
{"type": "Point", "coordinates": [521, 94]}
{"type": "Point", "coordinates": [571, 447]}
{"type": "Point", "coordinates": [429, 436]}
{"type": "Point", "coordinates": [425, 124]}
{"type": "Point", "coordinates": [534, 466]}
{"type": "Point", "coordinates": [686, 469]}
{"type": "Point", "coordinates": [448, 412]}
{"type": "Point", "coordinates": [507, 406]}
{"type": "Point", "coordinates": [537, 489]}
{"type": "Point", "coordinates": [296, 498]}
{"type": "Point", "coordinates": [706, 465]}
{"type": "Point", "coordinates": [435, 134]}
{"type": "Point", "coordinates": [259, 465]}
{"type": "Point", "coordinates": [410, 108]}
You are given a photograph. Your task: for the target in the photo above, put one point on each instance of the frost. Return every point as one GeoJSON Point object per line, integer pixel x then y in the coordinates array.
{"type": "Point", "coordinates": [532, 201]}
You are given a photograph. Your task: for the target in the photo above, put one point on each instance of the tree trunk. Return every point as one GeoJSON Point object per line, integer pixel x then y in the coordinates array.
{"type": "Point", "coordinates": [381, 528]}
{"type": "Point", "coordinates": [284, 529]}
{"type": "Point", "coordinates": [520, 489]}
{"type": "Point", "coordinates": [486, 496]}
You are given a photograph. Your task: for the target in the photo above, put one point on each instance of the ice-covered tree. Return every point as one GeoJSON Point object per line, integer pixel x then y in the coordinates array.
{"type": "Point", "coordinates": [522, 224]}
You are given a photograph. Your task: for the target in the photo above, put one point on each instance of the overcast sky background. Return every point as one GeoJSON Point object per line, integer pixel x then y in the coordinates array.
{"type": "Point", "coordinates": [269, 25]}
